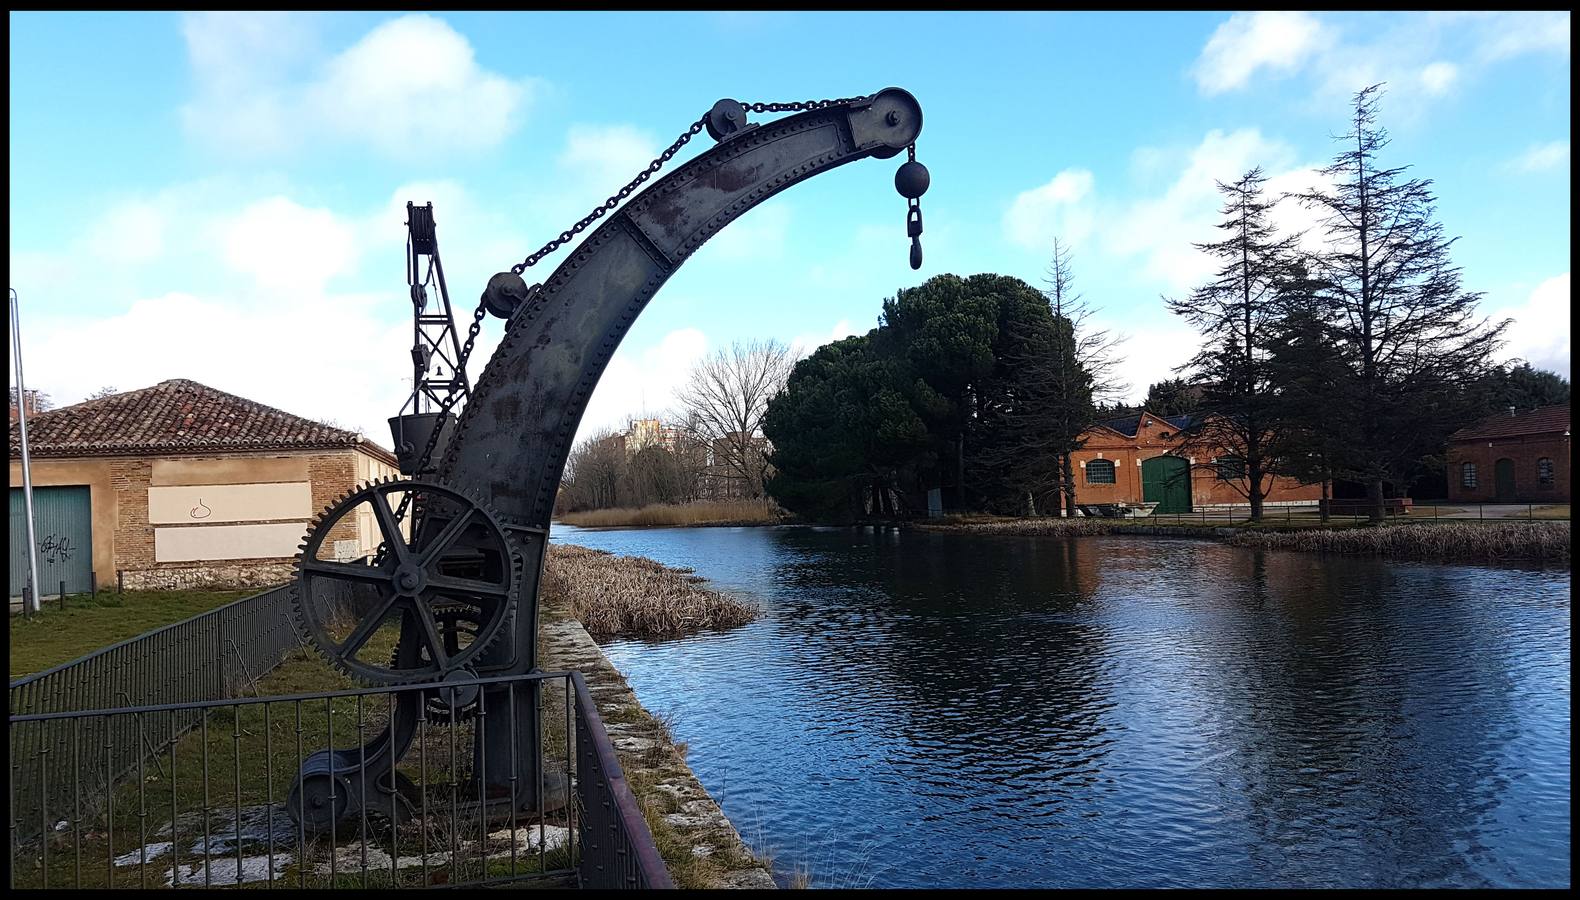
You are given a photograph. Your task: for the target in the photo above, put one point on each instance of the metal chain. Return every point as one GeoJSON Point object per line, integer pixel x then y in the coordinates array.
{"type": "Point", "coordinates": [799, 106]}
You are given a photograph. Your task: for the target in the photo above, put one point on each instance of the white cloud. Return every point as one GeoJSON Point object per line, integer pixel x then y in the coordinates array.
{"type": "Point", "coordinates": [608, 152]}
{"type": "Point", "coordinates": [130, 233]}
{"type": "Point", "coordinates": [1540, 331]}
{"type": "Point", "coordinates": [1541, 157]}
{"type": "Point", "coordinates": [1419, 56]}
{"type": "Point", "coordinates": [409, 88]}
{"type": "Point", "coordinates": [1280, 42]}
{"type": "Point", "coordinates": [284, 245]}
{"type": "Point", "coordinates": [1061, 208]}
{"type": "Point", "coordinates": [1438, 77]}
{"type": "Point", "coordinates": [1510, 34]}
{"type": "Point", "coordinates": [320, 356]}
{"type": "Point", "coordinates": [1150, 351]}
{"type": "Point", "coordinates": [1160, 230]}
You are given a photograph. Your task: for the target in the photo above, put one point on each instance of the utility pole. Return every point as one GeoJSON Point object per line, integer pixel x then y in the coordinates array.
{"type": "Point", "coordinates": [30, 593]}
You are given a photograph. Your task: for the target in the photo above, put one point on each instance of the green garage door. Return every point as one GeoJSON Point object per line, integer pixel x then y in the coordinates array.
{"type": "Point", "coordinates": [1165, 480]}
{"type": "Point", "coordinates": [61, 523]}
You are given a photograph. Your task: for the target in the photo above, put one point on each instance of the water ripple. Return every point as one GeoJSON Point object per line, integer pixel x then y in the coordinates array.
{"type": "Point", "coordinates": [937, 710]}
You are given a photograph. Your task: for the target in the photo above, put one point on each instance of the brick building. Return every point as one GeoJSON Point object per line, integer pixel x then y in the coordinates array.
{"type": "Point", "coordinates": [1515, 457]}
{"type": "Point", "coordinates": [1143, 459]}
{"type": "Point", "coordinates": [181, 485]}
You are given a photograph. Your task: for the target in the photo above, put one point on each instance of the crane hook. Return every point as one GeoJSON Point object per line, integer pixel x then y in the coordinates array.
{"type": "Point", "coordinates": [912, 181]}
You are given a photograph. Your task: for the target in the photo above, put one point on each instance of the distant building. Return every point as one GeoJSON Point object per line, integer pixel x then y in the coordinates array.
{"type": "Point", "coordinates": [1144, 459]}
{"type": "Point", "coordinates": [645, 433]}
{"type": "Point", "coordinates": [180, 485]}
{"type": "Point", "coordinates": [1514, 457]}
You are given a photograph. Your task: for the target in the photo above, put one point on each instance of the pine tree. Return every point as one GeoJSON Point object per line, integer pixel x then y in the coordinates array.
{"type": "Point", "coordinates": [1405, 324]}
{"type": "Point", "coordinates": [1234, 313]}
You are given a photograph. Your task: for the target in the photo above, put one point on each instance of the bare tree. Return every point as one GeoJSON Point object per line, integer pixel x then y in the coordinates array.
{"type": "Point", "coordinates": [106, 391]}
{"type": "Point", "coordinates": [594, 472]}
{"type": "Point", "coordinates": [724, 402]}
{"type": "Point", "coordinates": [1091, 377]}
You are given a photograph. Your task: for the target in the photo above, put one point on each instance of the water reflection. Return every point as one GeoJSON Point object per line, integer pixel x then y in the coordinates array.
{"type": "Point", "coordinates": [922, 709]}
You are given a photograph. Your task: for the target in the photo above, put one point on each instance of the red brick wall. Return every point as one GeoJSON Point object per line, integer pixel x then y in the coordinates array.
{"type": "Point", "coordinates": [1127, 453]}
{"type": "Point", "coordinates": [1524, 451]}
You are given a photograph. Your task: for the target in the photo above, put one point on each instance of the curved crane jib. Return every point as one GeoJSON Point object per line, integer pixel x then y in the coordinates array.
{"type": "Point", "coordinates": [515, 434]}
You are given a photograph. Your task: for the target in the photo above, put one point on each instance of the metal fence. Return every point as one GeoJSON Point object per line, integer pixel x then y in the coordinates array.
{"type": "Point", "coordinates": [212, 808]}
{"type": "Point", "coordinates": [617, 850]}
{"type": "Point", "coordinates": [1354, 512]}
{"type": "Point", "coordinates": [211, 656]}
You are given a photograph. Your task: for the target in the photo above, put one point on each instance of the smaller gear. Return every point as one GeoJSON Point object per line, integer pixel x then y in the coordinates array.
{"type": "Point", "coordinates": [458, 624]}
{"type": "Point", "coordinates": [458, 558]}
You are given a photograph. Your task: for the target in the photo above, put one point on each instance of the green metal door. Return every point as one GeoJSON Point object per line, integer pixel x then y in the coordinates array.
{"type": "Point", "coordinates": [1165, 480]}
{"type": "Point", "coordinates": [1505, 479]}
{"type": "Point", "coordinates": [62, 518]}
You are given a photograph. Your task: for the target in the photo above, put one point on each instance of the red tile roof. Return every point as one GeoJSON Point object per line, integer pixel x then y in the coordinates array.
{"type": "Point", "coordinates": [177, 416]}
{"type": "Point", "coordinates": [1547, 420]}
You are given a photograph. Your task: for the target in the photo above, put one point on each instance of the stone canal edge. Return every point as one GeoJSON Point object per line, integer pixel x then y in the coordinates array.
{"type": "Point", "coordinates": [698, 843]}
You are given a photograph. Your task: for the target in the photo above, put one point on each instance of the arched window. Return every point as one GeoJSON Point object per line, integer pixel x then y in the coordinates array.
{"type": "Point", "coordinates": [1544, 471]}
{"type": "Point", "coordinates": [1467, 475]}
{"type": "Point", "coordinates": [1100, 471]}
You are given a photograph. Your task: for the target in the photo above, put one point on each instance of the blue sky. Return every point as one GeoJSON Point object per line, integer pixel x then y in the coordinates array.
{"type": "Point", "coordinates": [221, 197]}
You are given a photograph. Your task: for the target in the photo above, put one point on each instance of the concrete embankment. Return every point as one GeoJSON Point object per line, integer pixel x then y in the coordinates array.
{"type": "Point", "coordinates": [699, 845]}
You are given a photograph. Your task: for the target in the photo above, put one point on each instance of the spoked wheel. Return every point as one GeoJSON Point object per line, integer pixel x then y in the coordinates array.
{"type": "Point", "coordinates": [390, 607]}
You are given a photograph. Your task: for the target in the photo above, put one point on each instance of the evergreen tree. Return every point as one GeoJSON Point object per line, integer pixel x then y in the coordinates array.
{"type": "Point", "coordinates": [1234, 313]}
{"type": "Point", "coordinates": [1406, 326]}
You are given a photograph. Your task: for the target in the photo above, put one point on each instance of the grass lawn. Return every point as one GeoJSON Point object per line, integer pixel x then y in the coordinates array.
{"type": "Point", "coordinates": [92, 622]}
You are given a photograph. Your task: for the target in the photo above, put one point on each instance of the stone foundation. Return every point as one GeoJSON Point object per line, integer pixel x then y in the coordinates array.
{"type": "Point", "coordinates": [220, 577]}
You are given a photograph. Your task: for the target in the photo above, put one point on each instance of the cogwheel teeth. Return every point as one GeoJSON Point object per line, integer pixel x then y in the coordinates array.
{"type": "Point", "coordinates": [311, 620]}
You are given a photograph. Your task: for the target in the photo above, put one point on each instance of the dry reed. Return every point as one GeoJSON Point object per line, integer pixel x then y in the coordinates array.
{"type": "Point", "coordinates": [1547, 541]}
{"type": "Point", "coordinates": [725, 512]}
{"type": "Point", "coordinates": [633, 596]}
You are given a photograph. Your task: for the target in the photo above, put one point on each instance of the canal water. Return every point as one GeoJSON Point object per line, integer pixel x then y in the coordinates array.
{"type": "Point", "coordinates": [920, 709]}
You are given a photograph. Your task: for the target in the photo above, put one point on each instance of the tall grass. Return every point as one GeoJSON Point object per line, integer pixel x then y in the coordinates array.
{"type": "Point", "coordinates": [1480, 541]}
{"type": "Point", "coordinates": [633, 596]}
{"type": "Point", "coordinates": [725, 512]}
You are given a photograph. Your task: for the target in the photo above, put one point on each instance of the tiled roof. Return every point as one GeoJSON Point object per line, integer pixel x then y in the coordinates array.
{"type": "Point", "coordinates": [1129, 424]}
{"type": "Point", "coordinates": [177, 416]}
{"type": "Point", "coordinates": [1546, 420]}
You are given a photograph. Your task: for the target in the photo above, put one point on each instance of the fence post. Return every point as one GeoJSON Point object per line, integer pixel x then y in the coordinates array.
{"type": "Point", "coordinates": [120, 581]}
{"type": "Point", "coordinates": [1481, 512]}
{"type": "Point", "coordinates": [63, 593]}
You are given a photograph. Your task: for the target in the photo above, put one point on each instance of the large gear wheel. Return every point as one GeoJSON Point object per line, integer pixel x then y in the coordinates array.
{"type": "Point", "coordinates": [357, 610]}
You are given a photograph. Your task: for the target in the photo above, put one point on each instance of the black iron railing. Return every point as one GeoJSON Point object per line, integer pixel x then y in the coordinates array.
{"type": "Point", "coordinates": [617, 850]}
{"type": "Point", "coordinates": [211, 656]}
{"type": "Point", "coordinates": [212, 807]}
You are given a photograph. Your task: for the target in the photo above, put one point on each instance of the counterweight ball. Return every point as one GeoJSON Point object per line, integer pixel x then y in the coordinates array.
{"type": "Point", "coordinates": [504, 293]}
{"type": "Point", "coordinates": [912, 180]}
